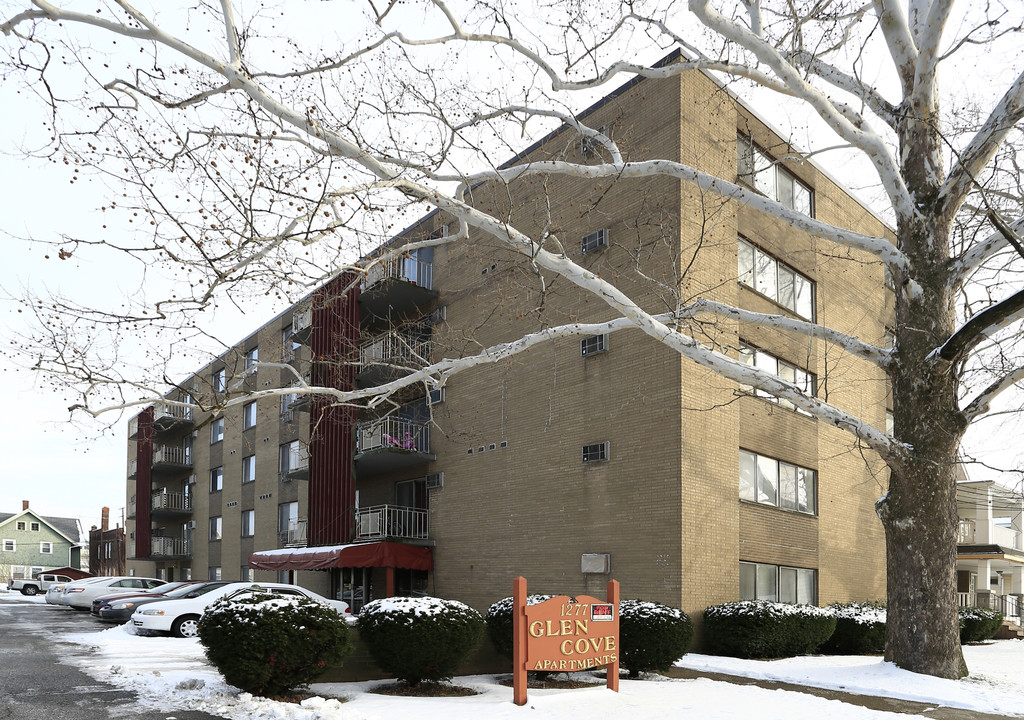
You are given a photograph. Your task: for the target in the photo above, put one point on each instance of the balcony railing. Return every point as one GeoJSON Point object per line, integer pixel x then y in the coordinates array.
{"type": "Point", "coordinates": [173, 502]}
{"type": "Point", "coordinates": [1000, 535]}
{"type": "Point", "coordinates": [393, 433]}
{"type": "Point", "coordinates": [166, 414]}
{"type": "Point", "coordinates": [391, 521]}
{"type": "Point", "coordinates": [1006, 537]}
{"type": "Point", "coordinates": [175, 455]}
{"type": "Point", "coordinates": [394, 348]}
{"type": "Point", "coordinates": [298, 462]}
{"type": "Point", "coordinates": [133, 467]}
{"type": "Point", "coordinates": [408, 269]}
{"type": "Point", "coordinates": [169, 547]}
{"type": "Point", "coordinates": [131, 509]}
{"type": "Point", "coordinates": [302, 323]}
{"type": "Point", "coordinates": [295, 535]}
{"type": "Point", "coordinates": [965, 532]}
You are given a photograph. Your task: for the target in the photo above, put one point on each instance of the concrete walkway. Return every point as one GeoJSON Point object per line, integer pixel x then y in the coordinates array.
{"type": "Point", "coordinates": [872, 702]}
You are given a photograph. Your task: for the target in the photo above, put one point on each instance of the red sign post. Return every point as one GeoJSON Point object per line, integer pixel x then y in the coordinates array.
{"type": "Point", "coordinates": [564, 634]}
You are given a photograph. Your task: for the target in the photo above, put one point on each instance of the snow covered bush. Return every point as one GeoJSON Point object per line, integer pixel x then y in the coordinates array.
{"type": "Point", "coordinates": [418, 639]}
{"type": "Point", "coordinates": [267, 644]}
{"type": "Point", "coordinates": [860, 629]}
{"type": "Point", "coordinates": [977, 624]}
{"type": "Point", "coordinates": [762, 629]}
{"type": "Point", "coordinates": [499, 622]}
{"type": "Point", "coordinates": [651, 636]}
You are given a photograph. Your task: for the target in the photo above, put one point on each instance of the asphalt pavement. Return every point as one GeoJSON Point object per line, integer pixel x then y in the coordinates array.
{"type": "Point", "coordinates": [36, 685]}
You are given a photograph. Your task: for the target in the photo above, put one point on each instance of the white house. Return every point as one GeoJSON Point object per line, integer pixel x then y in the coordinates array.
{"type": "Point", "coordinates": [990, 546]}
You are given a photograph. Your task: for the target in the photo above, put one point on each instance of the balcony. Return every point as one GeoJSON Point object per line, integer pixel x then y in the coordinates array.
{"type": "Point", "coordinates": [169, 547]}
{"type": "Point", "coordinates": [397, 288]}
{"type": "Point", "coordinates": [295, 535]}
{"type": "Point", "coordinates": [171, 458]}
{"type": "Point", "coordinates": [167, 416]}
{"type": "Point", "coordinates": [133, 467]}
{"type": "Point", "coordinates": [167, 503]}
{"type": "Point", "coordinates": [390, 354]}
{"type": "Point", "coordinates": [297, 463]}
{"type": "Point", "coordinates": [965, 532]}
{"type": "Point", "coordinates": [1007, 537]}
{"type": "Point", "coordinates": [130, 510]}
{"type": "Point", "coordinates": [391, 443]}
{"type": "Point", "coordinates": [302, 324]}
{"type": "Point", "coordinates": [390, 522]}
{"type": "Point", "coordinates": [133, 428]}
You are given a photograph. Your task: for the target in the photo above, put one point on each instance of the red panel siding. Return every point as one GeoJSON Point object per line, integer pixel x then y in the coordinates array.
{"type": "Point", "coordinates": [143, 485]}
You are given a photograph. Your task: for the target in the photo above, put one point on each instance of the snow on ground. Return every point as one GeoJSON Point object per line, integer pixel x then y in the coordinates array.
{"type": "Point", "coordinates": [172, 674]}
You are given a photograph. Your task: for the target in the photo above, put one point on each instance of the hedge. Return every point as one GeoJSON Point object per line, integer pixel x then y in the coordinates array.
{"type": "Point", "coordinates": [652, 636]}
{"type": "Point", "coordinates": [762, 629]}
{"type": "Point", "coordinates": [978, 623]}
{"type": "Point", "coordinates": [860, 629]}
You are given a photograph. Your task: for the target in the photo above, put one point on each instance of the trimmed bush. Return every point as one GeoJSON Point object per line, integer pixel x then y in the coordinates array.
{"type": "Point", "coordinates": [860, 629]}
{"type": "Point", "coordinates": [499, 622]}
{"type": "Point", "coordinates": [652, 636]}
{"type": "Point", "coordinates": [268, 644]}
{"type": "Point", "coordinates": [978, 623]}
{"type": "Point", "coordinates": [761, 629]}
{"type": "Point", "coordinates": [416, 639]}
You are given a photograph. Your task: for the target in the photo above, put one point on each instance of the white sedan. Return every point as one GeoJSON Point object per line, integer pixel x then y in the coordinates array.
{"type": "Point", "coordinates": [53, 595]}
{"type": "Point", "coordinates": [181, 617]}
{"type": "Point", "coordinates": [80, 595]}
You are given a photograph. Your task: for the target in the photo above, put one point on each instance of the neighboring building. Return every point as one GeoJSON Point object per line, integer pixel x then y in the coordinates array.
{"type": "Point", "coordinates": [990, 547]}
{"type": "Point", "coordinates": [31, 543]}
{"type": "Point", "coordinates": [578, 460]}
{"type": "Point", "coordinates": [106, 548]}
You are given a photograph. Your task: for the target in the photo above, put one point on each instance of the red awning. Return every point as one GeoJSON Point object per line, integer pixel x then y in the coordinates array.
{"type": "Point", "coordinates": [382, 554]}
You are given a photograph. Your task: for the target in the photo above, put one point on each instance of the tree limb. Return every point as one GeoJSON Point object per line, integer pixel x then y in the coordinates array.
{"type": "Point", "coordinates": [982, 403]}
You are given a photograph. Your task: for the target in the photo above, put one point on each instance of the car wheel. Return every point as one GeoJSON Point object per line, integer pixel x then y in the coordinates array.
{"type": "Point", "coordinates": [187, 626]}
{"type": "Point", "coordinates": [29, 590]}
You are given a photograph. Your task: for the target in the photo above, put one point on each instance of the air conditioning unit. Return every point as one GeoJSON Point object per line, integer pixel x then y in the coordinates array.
{"type": "Point", "coordinates": [435, 480]}
{"type": "Point", "coordinates": [191, 524]}
{"type": "Point", "coordinates": [435, 396]}
{"type": "Point", "coordinates": [192, 479]}
{"type": "Point", "coordinates": [594, 241]}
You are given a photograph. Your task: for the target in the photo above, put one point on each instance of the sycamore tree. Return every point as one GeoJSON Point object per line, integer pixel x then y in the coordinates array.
{"type": "Point", "coordinates": [248, 150]}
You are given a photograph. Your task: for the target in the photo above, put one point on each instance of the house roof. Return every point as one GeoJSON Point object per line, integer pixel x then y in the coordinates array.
{"type": "Point", "coordinates": [67, 527]}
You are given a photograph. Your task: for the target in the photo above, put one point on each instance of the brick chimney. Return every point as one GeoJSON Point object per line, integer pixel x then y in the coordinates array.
{"type": "Point", "coordinates": [24, 505]}
{"type": "Point", "coordinates": [105, 519]}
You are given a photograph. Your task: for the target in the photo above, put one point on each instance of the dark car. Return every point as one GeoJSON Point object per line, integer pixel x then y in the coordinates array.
{"type": "Point", "coordinates": [97, 603]}
{"type": "Point", "coordinates": [120, 609]}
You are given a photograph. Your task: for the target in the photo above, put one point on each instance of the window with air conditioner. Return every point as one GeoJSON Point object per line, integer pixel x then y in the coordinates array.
{"type": "Point", "coordinates": [593, 345]}
{"type": "Point", "coordinates": [594, 241]}
{"type": "Point", "coordinates": [597, 452]}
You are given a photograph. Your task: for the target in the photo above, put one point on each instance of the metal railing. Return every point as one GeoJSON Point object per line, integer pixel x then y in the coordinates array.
{"type": "Point", "coordinates": [298, 458]}
{"type": "Point", "coordinates": [394, 348]}
{"type": "Point", "coordinates": [302, 319]}
{"type": "Point", "coordinates": [296, 535]}
{"type": "Point", "coordinates": [384, 521]}
{"type": "Point", "coordinates": [171, 501]}
{"type": "Point", "coordinates": [1008, 605]}
{"type": "Point", "coordinates": [171, 455]}
{"type": "Point", "coordinates": [173, 412]}
{"type": "Point", "coordinates": [965, 532]}
{"type": "Point", "coordinates": [169, 547]}
{"type": "Point", "coordinates": [393, 433]}
{"type": "Point", "coordinates": [409, 269]}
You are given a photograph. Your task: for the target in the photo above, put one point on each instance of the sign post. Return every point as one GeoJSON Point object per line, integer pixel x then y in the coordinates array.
{"type": "Point", "coordinates": [564, 634]}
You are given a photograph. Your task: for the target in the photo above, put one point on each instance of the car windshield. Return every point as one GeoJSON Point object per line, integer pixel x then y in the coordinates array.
{"type": "Point", "coordinates": [168, 588]}
{"type": "Point", "coordinates": [202, 590]}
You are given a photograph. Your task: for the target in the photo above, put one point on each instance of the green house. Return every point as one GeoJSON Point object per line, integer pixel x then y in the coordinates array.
{"type": "Point", "coordinates": [31, 544]}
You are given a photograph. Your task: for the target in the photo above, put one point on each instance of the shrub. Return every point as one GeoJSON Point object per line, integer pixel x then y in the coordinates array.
{"type": "Point", "coordinates": [268, 644]}
{"type": "Point", "coordinates": [977, 624]}
{"type": "Point", "coordinates": [761, 629]}
{"type": "Point", "coordinates": [860, 629]}
{"type": "Point", "coordinates": [652, 636]}
{"type": "Point", "coordinates": [417, 639]}
{"type": "Point", "coordinates": [499, 622]}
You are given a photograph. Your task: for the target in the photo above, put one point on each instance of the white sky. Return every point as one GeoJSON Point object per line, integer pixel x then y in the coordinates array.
{"type": "Point", "coordinates": [74, 470]}
{"type": "Point", "coordinates": [171, 674]}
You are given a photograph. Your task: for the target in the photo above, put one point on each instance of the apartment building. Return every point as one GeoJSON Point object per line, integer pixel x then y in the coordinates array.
{"type": "Point", "coordinates": [579, 459]}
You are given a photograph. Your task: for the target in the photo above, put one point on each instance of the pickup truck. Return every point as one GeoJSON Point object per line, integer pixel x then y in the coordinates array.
{"type": "Point", "coordinates": [40, 583]}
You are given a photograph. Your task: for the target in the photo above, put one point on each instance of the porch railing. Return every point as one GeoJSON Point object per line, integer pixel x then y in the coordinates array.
{"type": "Point", "coordinates": [1008, 605]}
{"type": "Point", "coordinates": [383, 521]}
{"type": "Point", "coordinates": [394, 347]}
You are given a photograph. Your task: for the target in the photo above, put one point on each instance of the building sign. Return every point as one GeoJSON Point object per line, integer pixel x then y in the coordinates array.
{"type": "Point", "coordinates": [564, 634]}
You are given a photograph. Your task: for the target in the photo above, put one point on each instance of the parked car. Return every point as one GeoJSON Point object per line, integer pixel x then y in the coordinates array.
{"type": "Point", "coordinates": [35, 585]}
{"type": "Point", "coordinates": [158, 590]}
{"type": "Point", "coordinates": [181, 617]}
{"type": "Point", "coordinates": [79, 595]}
{"type": "Point", "coordinates": [120, 608]}
{"type": "Point", "coordinates": [55, 592]}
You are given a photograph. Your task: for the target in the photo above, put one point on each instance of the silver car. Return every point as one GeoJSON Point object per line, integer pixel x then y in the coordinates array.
{"type": "Point", "coordinates": [79, 595]}
{"type": "Point", "coordinates": [54, 593]}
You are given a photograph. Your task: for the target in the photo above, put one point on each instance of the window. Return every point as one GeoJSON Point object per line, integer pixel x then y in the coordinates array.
{"type": "Point", "coordinates": [890, 422]}
{"type": "Point", "coordinates": [248, 523]}
{"type": "Point", "coordinates": [248, 469]}
{"type": "Point", "coordinates": [755, 357]}
{"type": "Point", "coordinates": [593, 344]}
{"type": "Point", "coordinates": [292, 456]}
{"type": "Point", "coordinates": [759, 581]}
{"type": "Point", "coordinates": [286, 410]}
{"type": "Point", "coordinates": [287, 517]}
{"type": "Point", "coordinates": [219, 380]}
{"type": "Point", "coordinates": [10, 546]}
{"type": "Point", "coordinates": [216, 527]}
{"type": "Point", "coordinates": [34, 527]}
{"type": "Point", "coordinates": [760, 171]}
{"type": "Point", "coordinates": [246, 574]}
{"type": "Point", "coordinates": [249, 415]}
{"type": "Point", "coordinates": [21, 524]}
{"type": "Point", "coordinates": [215, 573]}
{"type": "Point", "coordinates": [46, 548]}
{"type": "Point", "coordinates": [216, 479]}
{"type": "Point", "coordinates": [595, 453]}
{"type": "Point", "coordinates": [761, 272]}
{"type": "Point", "coordinates": [768, 481]}
{"type": "Point", "coordinates": [435, 397]}
{"type": "Point", "coordinates": [251, 358]}
{"type": "Point", "coordinates": [594, 241]}
{"type": "Point", "coordinates": [217, 431]}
